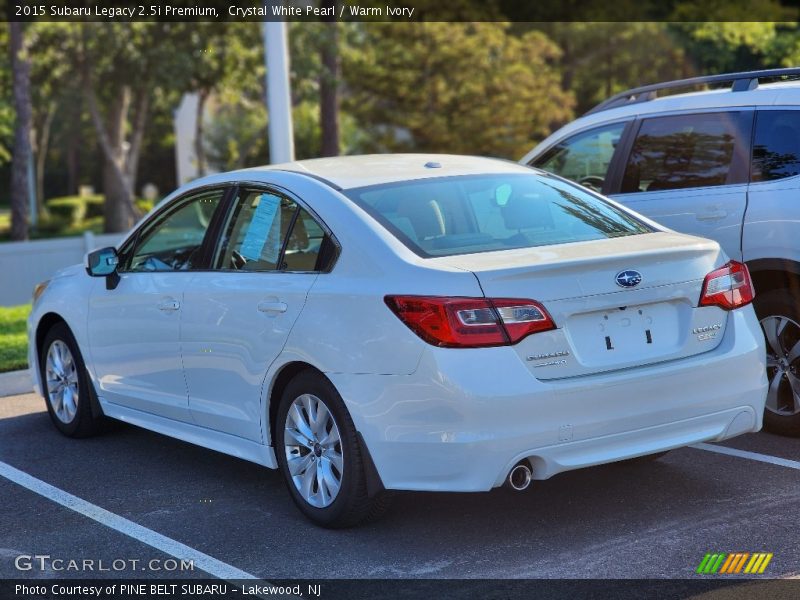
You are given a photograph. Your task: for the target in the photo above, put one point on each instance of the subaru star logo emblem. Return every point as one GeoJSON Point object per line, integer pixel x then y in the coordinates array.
{"type": "Point", "coordinates": [628, 279]}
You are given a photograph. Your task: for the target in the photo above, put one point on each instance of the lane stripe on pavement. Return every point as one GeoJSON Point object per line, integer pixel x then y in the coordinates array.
{"type": "Point", "coordinates": [202, 561]}
{"type": "Point", "coordinates": [765, 458]}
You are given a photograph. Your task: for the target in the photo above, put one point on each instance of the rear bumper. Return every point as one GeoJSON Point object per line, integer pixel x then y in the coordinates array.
{"type": "Point", "coordinates": [465, 417]}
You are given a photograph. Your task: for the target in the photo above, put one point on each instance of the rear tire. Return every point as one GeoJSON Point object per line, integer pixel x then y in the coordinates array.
{"type": "Point", "coordinates": [318, 452]}
{"type": "Point", "coordinates": [66, 387]}
{"type": "Point", "coordinates": [780, 321]}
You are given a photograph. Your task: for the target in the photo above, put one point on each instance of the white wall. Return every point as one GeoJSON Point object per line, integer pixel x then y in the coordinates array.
{"type": "Point", "coordinates": [24, 264]}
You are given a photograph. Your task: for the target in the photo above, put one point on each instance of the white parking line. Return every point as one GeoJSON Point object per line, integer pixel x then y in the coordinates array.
{"type": "Point", "coordinates": [765, 458]}
{"type": "Point", "coordinates": [202, 561]}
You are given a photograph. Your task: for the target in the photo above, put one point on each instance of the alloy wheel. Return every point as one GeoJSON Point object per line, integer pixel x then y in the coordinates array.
{"type": "Point", "coordinates": [61, 379]}
{"type": "Point", "coordinates": [313, 450]}
{"type": "Point", "coordinates": [783, 369]}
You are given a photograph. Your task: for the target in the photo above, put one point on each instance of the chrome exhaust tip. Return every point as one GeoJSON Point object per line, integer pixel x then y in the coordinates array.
{"type": "Point", "coordinates": [519, 478]}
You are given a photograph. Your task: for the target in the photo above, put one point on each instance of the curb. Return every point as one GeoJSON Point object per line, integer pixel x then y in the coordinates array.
{"type": "Point", "coordinates": [15, 382]}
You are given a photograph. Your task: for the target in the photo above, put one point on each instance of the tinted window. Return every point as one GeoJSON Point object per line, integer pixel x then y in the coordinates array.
{"type": "Point", "coordinates": [461, 215]}
{"type": "Point", "coordinates": [776, 145]}
{"type": "Point", "coordinates": [174, 242]}
{"type": "Point", "coordinates": [583, 157]}
{"type": "Point", "coordinates": [681, 152]}
{"type": "Point", "coordinates": [265, 227]}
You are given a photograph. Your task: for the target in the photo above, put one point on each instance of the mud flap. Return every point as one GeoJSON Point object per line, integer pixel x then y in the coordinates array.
{"type": "Point", "coordinates": [374, 482]}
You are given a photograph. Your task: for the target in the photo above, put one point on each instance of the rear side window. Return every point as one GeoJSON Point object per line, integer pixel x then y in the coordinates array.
{"type": "Point", "coordinates": [480, 213]}
{"type": "Point", "coordinates": [268, 231]}
{"type": "Point", "coordinates": [584, 157]}
{"type": "Point", "coordinates": [776, 145]}
{"type": "Point", "coordinates": [683, 151]}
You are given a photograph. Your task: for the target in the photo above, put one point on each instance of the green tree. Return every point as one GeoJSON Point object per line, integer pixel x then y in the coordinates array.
{"type": "Point", "coordinates": [237, 136]}
{"type": "Point", "coordinates": [237, 133]}
{"type": "Point", "coordinates": [329, 83]}
{"type": "Point", "coordinates": [472, 88]}
{"type": "Point", "coordinates": [601, 59]}
{"type": "Point", "coordinates": [723, 35]}
{"type": "Point", "coordinates": [124, 69]}
{"type": "Point", "coordinates": [6, 108]}
{"type": "Point", "coordinates": [52, 81]}
{"type": "Point", "coordinates": [230, 65]}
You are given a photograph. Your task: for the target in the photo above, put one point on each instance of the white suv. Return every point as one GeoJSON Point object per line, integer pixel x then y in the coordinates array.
{"type": "Point", "coordinates": [723, 163]}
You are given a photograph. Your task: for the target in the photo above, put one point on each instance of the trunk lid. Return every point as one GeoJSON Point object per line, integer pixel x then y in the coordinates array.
{"type": "Point", "coordinates": [602, 325]}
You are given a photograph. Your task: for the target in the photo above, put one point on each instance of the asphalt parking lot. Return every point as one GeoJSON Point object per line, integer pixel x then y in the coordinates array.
{"type": "Point", "coordinates": [618, 521]}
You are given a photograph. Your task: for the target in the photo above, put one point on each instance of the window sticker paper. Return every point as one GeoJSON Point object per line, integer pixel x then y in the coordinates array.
{"type": "Point", "coordinates": [263, 239]}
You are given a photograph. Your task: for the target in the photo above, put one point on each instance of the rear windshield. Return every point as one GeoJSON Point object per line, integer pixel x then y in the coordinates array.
{"type": "Point", "coordinates": [480, 213]}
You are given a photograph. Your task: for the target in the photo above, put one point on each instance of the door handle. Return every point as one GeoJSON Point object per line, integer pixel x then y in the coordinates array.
{"type": "Point", "coordinates": [169, 305]}
{"type": "Point", "coordinates": [712, 215]}
{"type": "Point", "coordinates": [272, 307]}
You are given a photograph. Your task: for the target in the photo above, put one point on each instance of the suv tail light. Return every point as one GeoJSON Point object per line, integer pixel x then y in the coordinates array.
{"type": "Point", "coordinates": [470, 322]}
{"type": "Point", "coordinates": [728, 287]}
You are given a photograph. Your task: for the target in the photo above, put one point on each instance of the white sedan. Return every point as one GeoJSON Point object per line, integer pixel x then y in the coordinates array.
{"type": "Point", "coordinates": [403, 322]}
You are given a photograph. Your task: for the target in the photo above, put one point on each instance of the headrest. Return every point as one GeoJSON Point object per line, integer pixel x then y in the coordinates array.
{"type": "Point", "coordinates": [426, 216]}
{"type": "Point", "coordinates": [527, 211]}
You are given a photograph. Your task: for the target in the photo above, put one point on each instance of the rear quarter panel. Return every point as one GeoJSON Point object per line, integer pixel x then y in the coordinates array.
{"type": "Point", "coordinates": [772, 222]}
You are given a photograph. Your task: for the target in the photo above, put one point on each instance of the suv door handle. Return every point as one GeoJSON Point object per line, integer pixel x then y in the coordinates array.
{"type": "Point", "coordinates": [169, 305]}
{"type": "Point", "coordinates": [272, 307]}
{"type": "Point", "coordinates": [713, 215]}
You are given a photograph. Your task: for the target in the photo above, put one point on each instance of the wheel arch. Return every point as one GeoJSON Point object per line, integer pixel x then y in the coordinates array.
{"type": "Point", "coordinates": [279, 382]}
{"type": "Point", "coordinates": [45, 324]}
{"type": "Point", "coordinates": [775, 273]}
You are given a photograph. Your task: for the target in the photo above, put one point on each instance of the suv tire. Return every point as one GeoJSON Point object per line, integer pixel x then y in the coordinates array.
{"type": "Point", "coordinates": [780, 320]}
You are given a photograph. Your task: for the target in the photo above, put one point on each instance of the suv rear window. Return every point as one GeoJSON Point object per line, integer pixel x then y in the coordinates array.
{"type": "Point", "coordinates": [682, 151]}
{"type": "Point", "coordinates": [776, 145]}
{"type": "Point", "coordinates": [480, 213]}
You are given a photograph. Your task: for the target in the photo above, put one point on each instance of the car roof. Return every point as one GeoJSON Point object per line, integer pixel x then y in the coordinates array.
{"type": "Point", "coordinates": [347, 172]}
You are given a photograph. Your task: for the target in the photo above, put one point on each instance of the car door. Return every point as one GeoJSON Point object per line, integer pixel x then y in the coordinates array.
{"type": "Point", "coordinates": [689, 172]}
{"type": "Point", "coordinates": [238, 315]}
{"type": "Point", "coordinates": [772, 228]}
{"type": "Point", "coordinates": [133, 329]}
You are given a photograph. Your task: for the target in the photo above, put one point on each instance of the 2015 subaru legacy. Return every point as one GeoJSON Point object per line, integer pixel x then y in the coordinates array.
{"type": "Point", "coordinates": [403, 322]}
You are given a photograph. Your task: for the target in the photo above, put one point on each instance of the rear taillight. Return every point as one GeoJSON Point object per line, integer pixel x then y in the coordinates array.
{"type": "Point", "coordinates": [470, 322]}
{"type": "Point", "coordinates": [728, 287]}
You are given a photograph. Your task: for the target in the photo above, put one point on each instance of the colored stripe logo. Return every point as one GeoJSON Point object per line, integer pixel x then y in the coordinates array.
{"type": "Point", "coordinates": [735, 563]}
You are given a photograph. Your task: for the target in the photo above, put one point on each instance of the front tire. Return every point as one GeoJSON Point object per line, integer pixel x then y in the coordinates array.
{"type": "Point", "coordinates": [780, 321]}
{"type": "Point", "coordinates": [319, 455]}
{"type": "Point", "coordinates": [66, 385]}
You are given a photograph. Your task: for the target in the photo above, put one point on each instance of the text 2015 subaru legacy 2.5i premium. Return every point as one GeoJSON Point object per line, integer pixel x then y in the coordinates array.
{"type": "Point", "coordinates": [403, 322]}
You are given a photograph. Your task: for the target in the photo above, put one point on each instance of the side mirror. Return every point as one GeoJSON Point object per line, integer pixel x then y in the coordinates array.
{"type": "Point", "coordinates": [102, 263]}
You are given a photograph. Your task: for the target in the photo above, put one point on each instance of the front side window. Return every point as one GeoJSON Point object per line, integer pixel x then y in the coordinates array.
{"type": "Point", "coordinates": [480, 213]}
{"type": "Point", "coordinates": [584, 157]}
{"type": "Point", "coordinates": [776, 145]}
{"type": "Point", "coordinates": [268, 231]}
{"type": "Point", "coordinates": [683, 151]}
{"type": "Point", "coordinates": [174, 242]}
